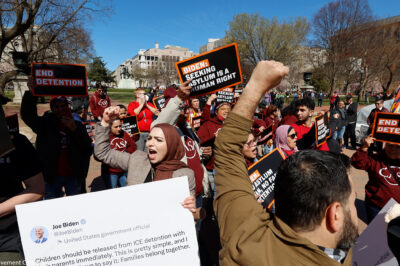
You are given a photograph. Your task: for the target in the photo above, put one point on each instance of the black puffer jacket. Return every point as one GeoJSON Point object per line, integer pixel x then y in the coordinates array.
{"type": "Point", "coordinates": [48, 140]}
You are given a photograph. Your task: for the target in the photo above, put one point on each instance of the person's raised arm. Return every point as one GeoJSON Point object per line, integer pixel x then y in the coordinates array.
{"type": "Point", "coordinates": [267, 75]}
{"type": "Point", "coordinates": [102, 149]}
{"type": "Point", "coordinates": [172, 111]}
{"type": "Point", "coordinates": [29, 111]}
{"type": "Point", "coordinates": [235, 201]}
{"type": "Point", "coordinates": [206, 114]}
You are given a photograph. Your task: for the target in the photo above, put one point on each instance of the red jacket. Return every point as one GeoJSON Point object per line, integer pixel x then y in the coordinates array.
{"type": "Point", "coordinates": [121, 143]}
{"type": "Point", "coordinates": [98, 104]}
{"type": "Point", "coordinates": [381, 184]}
{"type": "Point", "coordinates": [145, 116]}
{"type": "Point", "coordinates": [206, 133]}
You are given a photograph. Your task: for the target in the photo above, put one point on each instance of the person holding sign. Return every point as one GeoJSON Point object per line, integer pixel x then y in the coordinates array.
{"type": "Point", "coordinates": [62, 143]}
{"type": "Point", "coordinates": [194, 110]}
{"type": "Point", "coordinates": [305, 111]}
{"type": "Point", "coordinates": [316, 218]}
{"type": "Point", "coordinates": [285, 140]}
{"type": "Point", "coordinates": [175, 115]}
{"type": "Point", "coordinates": [161, 161]}
{"type": "Point", "coordinates": [383, 171]}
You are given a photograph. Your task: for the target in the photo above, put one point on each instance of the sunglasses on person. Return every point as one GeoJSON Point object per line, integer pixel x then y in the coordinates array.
{"type": "Point", "coordinates": [292, 136]}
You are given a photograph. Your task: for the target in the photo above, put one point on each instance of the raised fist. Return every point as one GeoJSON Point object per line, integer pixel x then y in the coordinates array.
{"type": "Point", "coordinates": [110, 113]}
{"type": "Point", "coordinates": [267, 75]}
{"type": "Point", "coordinates": [211, 98]}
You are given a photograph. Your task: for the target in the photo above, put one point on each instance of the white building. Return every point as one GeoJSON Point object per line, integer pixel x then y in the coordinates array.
{"type": "Point", "coordinates": [211, 45]}
{"type": "Point", "coordinates": [153, 66]}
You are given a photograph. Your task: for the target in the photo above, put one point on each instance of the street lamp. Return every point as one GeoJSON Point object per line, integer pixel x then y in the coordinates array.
{"type": "Point", "coordinates": [359, 90]}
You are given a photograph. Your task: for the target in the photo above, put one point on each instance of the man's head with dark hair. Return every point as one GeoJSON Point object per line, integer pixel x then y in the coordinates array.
{"type": "Point", "coordinates": [379, 103]}
{"type": "Point", "coordinates": [305, 109]}
{"type": "Point", "coordinates": [313, 193]}
{"type": "Point", "coordinates": [100, 89]}
{"type": "Point", "coordinates": [122, 110]}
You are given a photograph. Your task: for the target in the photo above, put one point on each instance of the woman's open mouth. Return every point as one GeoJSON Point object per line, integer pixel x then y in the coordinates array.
{"type": "Point", "coordinates": [152, 153]}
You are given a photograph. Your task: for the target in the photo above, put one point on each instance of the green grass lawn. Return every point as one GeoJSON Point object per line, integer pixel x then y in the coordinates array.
{"type": "Point", "coordinates": [123, 97]}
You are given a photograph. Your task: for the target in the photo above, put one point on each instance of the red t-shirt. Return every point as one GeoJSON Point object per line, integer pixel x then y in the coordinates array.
{"type": "Point", "coordinates": [145, 117]}
{"type": "Point", "coordinates": [301, 130]}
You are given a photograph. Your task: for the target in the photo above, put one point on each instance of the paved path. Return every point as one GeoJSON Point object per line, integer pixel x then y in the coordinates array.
{"type": "Point", "coordinates": [360, 178]}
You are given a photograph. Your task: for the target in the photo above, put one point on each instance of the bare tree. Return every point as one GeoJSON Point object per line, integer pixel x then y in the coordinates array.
{"type": "Point", "coordinates": [334, 27]}
{"type": "Point", "coordinates": [381, 56]}
{"type": "Point", "coordinates": [45, 30]}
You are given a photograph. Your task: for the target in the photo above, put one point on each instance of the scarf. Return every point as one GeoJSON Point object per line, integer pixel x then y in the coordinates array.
{"type": "Point", "coordinates": [175, 152]}
{"type": "Point", "coordinates": [281, 142]}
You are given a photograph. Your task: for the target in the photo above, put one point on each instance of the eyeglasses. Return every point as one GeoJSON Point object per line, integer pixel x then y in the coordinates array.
{"type": "Point", "coordinates": [292, 136]}
{"type": "Point", "coordinates": [251, 143]}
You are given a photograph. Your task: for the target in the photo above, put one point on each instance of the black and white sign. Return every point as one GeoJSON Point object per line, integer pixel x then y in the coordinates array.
{"type": "Point", "coordinates": [59, 79]}
{"type": "Point", "coordinates": [196, 122]}
{"type": "Point", "coordinates": [129, 125]}
{"type": "Point", "coordinates": [225, 96]}
{"type": "Point", "coordinates": [211, 71]}
{"type": "Point", "coordinates": [262, 176]}
{"type": "Point", "coordinates": [266, 133]}
{"type": "Point", "coordinates": [159, 102]}
{"type": "Point", "coordinates": [322, 131]}
{"type": "Point", "coordinates": [387, 127]}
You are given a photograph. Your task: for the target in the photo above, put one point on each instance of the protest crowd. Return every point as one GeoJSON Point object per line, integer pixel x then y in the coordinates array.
{"type": "Point", "coordinates": [305, 216]}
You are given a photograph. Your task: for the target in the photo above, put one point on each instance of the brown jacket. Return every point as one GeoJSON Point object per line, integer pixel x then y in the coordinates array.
{"type": "Point", "coordinates": [249, 235]}
{"type": "Point", "coordinates": [137, 164]}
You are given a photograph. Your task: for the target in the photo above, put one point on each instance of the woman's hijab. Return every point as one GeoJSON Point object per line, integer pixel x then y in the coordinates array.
{"type": "Point", "coordinates": [281, 139]}
{"type": "Point", "coordinates": [175, 152]}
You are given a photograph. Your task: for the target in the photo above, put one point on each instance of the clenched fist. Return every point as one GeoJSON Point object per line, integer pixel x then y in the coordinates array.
{"type": "Point", "coordinates": [110, 113]}
{"type": "Point", "coordinates": [267, 75]}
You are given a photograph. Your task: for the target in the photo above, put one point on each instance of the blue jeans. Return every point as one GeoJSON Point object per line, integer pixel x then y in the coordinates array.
{"type": "Point", "coordinates": [199, 203]}
{"type": "Point", "coordinates": [71, 185]}
{"type": "Point", "coordinates": [338, 134]}
{"type": "Point", "coordinates": [116, 180]}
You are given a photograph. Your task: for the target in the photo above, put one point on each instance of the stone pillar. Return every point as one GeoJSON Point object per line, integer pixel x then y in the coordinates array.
{"type": "Point", "coordinates": [20, 86]}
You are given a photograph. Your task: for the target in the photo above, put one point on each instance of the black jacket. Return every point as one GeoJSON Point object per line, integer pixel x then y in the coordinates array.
{"type": "Point", "coordinates": [48, 140]}
{"type": "Point", "coordinates": [352, 112]}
